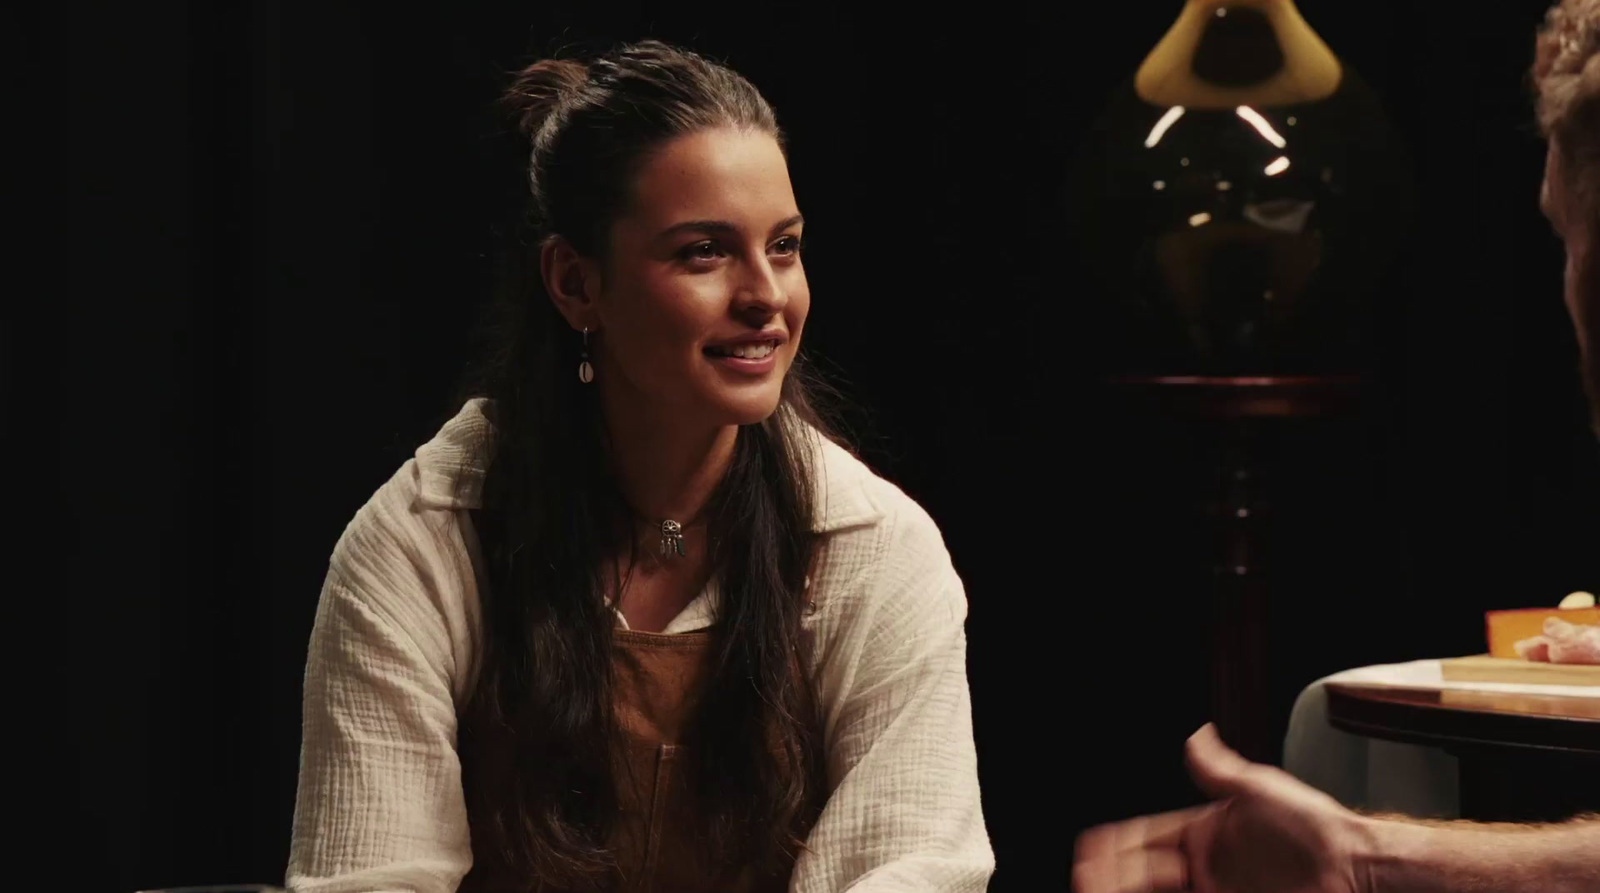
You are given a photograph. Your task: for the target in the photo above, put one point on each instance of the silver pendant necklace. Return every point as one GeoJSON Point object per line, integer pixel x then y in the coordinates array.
{"type": "Point", "coordinates": [672, 539]}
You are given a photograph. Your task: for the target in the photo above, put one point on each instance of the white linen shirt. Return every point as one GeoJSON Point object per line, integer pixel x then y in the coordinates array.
{"type": "Point", "coordinates": [380, 805]}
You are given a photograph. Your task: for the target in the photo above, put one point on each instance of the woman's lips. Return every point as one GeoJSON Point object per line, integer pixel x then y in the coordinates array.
{"type": "Point", "coordinates": [751, 357]}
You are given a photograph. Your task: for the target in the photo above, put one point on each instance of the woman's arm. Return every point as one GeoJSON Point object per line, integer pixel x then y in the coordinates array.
{"type": "Point", "coordinates": [380, 805]}
{"type": "Point", "coordinates": [904, 813]}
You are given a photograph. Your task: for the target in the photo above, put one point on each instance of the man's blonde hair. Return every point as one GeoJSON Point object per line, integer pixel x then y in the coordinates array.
{"type": "Point", "coordinates": [1566, 74]}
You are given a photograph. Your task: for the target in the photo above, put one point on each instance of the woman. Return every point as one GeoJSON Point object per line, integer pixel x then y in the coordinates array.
{"type": "Point", "coordinates": [631, 619]}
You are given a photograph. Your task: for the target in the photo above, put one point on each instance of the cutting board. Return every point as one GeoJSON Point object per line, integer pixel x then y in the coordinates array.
{"type": "Point", "coordinates": [1483, 668]}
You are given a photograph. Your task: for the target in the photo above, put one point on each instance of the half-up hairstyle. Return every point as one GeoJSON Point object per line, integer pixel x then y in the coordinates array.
{"type": "Point", "coordinates": [553, 516]}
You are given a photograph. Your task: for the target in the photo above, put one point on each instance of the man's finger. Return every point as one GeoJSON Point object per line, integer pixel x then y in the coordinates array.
{"type": "Point", "coordinates": [1133, 871]}
{"type": "Point", "coordinates": [1162, 830]}
{"type": "Point", "coordinates": [1166, 830]}
{"type": "Point", "coordinates": [1098, 843]}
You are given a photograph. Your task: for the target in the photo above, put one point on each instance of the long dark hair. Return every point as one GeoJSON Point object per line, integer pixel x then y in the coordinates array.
{"type": "Point", "coordinates": [553, 515]}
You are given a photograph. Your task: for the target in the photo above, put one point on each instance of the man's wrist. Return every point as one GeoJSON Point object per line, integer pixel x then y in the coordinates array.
{"type": "Point", "coordinates": [1382, 849]}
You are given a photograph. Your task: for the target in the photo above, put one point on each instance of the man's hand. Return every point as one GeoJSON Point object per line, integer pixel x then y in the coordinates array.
{"type": "Point", "coordinates": [1266, 833]}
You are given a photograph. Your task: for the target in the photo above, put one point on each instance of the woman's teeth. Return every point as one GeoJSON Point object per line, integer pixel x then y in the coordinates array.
{"type": "Point", "coordinates": [746, 351]}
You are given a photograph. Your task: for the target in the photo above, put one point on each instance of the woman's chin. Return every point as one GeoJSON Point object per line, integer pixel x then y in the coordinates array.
{"type": "Point", "coordinates": [747, 408]}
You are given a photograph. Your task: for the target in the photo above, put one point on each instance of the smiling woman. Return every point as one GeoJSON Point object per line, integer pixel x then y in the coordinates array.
{"type": "Point", "coordinates": [634, 618]}
{"type": "Point", "coordinates": [699, 312]}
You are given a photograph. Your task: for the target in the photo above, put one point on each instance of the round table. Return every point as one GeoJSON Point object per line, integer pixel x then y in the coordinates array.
{"type": "Point", "coordinates": [1523, 757]}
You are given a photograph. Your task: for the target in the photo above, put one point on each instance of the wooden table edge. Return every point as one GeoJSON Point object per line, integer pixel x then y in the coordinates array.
{"type": "Point", "coordinates": [1454, 726]}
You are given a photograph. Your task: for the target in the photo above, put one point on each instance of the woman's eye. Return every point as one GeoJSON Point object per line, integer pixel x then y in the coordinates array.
{"type": "Point", "coordinates": [787, 245]}
{"type": "Point", "coordinates": [700, 251]}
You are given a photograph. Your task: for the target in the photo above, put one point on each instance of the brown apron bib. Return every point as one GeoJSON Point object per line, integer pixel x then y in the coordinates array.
{"type": "Point", "coordinates": [658, 679]}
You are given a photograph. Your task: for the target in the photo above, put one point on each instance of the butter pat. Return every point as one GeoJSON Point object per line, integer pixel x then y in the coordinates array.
{"type": "Point", "coordinates": [1577, 600]}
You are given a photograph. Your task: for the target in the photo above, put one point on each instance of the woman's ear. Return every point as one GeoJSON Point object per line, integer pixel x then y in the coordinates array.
{"type": "Point", "coordinates": [572, 281]}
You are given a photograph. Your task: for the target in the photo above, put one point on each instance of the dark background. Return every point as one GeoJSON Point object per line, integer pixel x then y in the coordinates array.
{"type": "Point", "coordinates": [269, 229]}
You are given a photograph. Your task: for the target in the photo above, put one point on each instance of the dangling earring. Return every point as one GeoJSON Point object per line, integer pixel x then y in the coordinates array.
{"type": "Point", "coordinates": [585, 371]}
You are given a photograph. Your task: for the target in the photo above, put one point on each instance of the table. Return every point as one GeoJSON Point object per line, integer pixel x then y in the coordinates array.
{"type": "Point", "coordinates": [1523, 757]}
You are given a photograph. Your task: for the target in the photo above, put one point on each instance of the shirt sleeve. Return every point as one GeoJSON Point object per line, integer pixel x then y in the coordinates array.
{"type": "Point", "coordinates": [904, 813]}
{"type": "Point", "coordinates": [380, 805]}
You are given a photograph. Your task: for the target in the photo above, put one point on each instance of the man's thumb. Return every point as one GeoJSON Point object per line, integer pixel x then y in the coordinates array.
{"type": "Point", "coordinates": [1216, 768]}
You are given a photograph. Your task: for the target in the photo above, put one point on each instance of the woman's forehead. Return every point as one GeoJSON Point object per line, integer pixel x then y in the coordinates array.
{"type": "Point", "coordinates": [739, 176]}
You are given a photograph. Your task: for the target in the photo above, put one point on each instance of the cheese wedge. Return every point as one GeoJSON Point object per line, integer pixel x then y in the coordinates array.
{"type": "Point", "coordinates": [1507, 627]}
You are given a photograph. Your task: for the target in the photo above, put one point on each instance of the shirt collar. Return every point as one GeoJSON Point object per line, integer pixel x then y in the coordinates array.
{"type": "Point", "coordinates": [451, 469]}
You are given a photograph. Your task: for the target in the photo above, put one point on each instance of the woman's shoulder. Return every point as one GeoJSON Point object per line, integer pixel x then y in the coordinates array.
{"type": "Point", "coordinates": [451, 467]}
{"type": "Point", "coordinates": [877, 538]}
{"type": "Point", "coordinates": [443, 476]}
{"type": "Point", "coordinates": [411, 525]}
{"type": "Point", "coordinates": [851, 496]}
{"type": "Point", "coordinates": [404, 554]}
